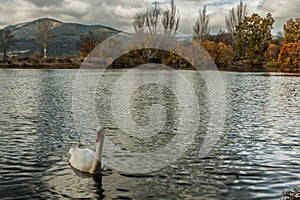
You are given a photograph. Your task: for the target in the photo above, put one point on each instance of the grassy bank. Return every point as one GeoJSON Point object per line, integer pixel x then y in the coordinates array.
{"type": "Point", "coordinates": [38, 63]}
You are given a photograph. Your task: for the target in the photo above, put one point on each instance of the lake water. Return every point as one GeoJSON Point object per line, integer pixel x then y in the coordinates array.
{"type": "Point", "coordinates": [257, 157]}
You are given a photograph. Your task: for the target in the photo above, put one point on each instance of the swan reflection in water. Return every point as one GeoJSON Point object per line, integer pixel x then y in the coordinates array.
{"type": "Point", "coordinates": [97, 178]}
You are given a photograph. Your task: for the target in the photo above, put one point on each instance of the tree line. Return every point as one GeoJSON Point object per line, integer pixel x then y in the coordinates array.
{"type": "Point", "coordinates": [44, 37]}
{"type": "Point", "coordinates": [248, 38]}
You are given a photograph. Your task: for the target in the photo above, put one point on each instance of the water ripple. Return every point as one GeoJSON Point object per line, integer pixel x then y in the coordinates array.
{"type": "Point", "coordinates": [257, 157]}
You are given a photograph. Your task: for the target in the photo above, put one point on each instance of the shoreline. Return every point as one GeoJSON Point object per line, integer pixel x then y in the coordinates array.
{"type": "Point", "coordinates": [75, 63]}
{"type": "Point", "coordinates": [223, 69]}
{"type": "Point", "coordinates": [288, 70]}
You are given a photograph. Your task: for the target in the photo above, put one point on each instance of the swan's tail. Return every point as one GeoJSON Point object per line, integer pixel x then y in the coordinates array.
{"type": "Point", "coordinates": [72, 149]}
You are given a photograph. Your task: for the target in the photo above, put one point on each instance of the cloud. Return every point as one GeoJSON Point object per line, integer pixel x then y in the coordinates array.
{"type": "Point", "coordinates": [120, 13]}
{"type": "Point", "coordinates": [281, 8]}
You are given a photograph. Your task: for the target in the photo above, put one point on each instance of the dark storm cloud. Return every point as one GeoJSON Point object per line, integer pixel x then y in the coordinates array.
{"type": "Point", "coordinates": [43, 3]}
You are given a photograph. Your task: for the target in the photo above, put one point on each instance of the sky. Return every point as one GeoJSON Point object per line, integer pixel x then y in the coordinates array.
{"type": "Point", "coordinates": [119, 14]}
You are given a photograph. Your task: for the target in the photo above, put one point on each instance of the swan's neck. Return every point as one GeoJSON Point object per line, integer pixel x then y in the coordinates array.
{"type": "Point", "coordinates": [97, 164]}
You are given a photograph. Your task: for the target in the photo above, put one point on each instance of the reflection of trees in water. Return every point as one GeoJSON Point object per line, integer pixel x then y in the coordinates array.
{"type": "Point", "coordinates": [39, 108]}
{"type": "Point", "coordinates": [54, 113]}
{"type": "Point", "coordinates": [54, 131]}
{"type": "Point", "coordinates": [140, 105]}
{"type": "Point", "coordinates": [18, 164]}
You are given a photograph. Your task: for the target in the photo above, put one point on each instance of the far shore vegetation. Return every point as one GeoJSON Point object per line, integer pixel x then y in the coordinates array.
{"type": "Point", "coordinates": [246, 45]}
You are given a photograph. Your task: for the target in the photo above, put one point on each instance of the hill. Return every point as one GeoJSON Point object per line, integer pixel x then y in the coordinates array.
{"type": "Point", "coordinates": [65, 37]}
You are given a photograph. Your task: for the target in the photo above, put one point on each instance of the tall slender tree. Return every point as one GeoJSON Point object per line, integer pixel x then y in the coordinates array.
{"type": "Point", "coordinates": [153, 19]}
{"type": "Point", "coordinates": [170, 20]}
{"type": "Point", "coordinates": [232, 22]}
{"type": "Point", "coordinates": [201, 28]}
{"type": "Point", "coordinates": [154, 22]}
{"type": "Point", "coordinates": [6, 40]}
{"type": "Point", "coordinates": [139, 22]}
{"type": "Point", "coordinates": [44, 35]}
{"type": "Point", "coordinates": [235, 17]}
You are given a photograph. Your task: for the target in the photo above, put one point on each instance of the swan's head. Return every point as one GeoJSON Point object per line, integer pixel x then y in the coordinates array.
{"type": "Point", "coordinates": [99, 134]}
{"type": "Point", "coordinates": [99, 129]}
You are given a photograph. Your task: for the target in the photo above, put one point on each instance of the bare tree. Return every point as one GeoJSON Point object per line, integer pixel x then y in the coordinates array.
{"type": "Point", "coordinates": [153, 19]}
{"type": "Point", "coordinates": [232, 21]}
{"type": "Point", "coordinates": [139, 22]}
{"type": "Point", "coordinates": [201, 28]}
{"type": "Point", "coordinates": [235, 17]}
{"type": "Point", "coordinates": [89, 41]}
{"type": "Point", "coordinates": [6, 40]}
{"type": "Point", "coordinates": [44, 35]}
{"type": "Point", "coordinates": [170, 20]}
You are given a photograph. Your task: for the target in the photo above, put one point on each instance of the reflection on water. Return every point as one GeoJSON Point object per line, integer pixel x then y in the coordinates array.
{"type": "Point", "coordinates": [257, 157]}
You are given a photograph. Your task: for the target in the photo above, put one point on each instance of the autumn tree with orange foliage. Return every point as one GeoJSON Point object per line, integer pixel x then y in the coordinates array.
{"type": "Point", "coordinates": [221, 53]}
{"type": "Point", "coordinates": [290, 51]}
{"type": "Point", "coordinates": [290, 54]}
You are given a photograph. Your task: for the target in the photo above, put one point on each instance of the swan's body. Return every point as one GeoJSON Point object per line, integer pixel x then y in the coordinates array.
{"type": "Point", "coordinates": [86, 160]}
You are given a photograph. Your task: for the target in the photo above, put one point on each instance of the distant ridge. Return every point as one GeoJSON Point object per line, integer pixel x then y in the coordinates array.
{"type": "Point", "coordinates": [65, 37]}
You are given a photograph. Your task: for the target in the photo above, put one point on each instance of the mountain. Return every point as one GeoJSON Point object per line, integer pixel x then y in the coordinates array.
{"type": "Point", "coordinates": [65, 37]}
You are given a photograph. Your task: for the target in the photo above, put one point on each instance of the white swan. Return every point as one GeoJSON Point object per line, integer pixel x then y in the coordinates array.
{"type": "Point", "coordinates": [86, 160]}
